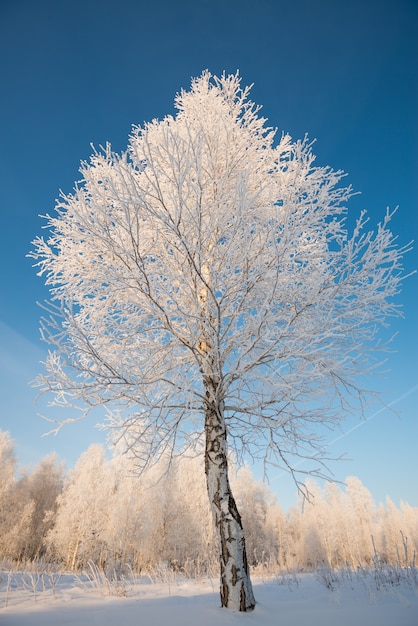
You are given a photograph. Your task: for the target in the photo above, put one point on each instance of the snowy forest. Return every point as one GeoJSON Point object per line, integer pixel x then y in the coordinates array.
{"type": "Point", "coordinates": [102, 512]}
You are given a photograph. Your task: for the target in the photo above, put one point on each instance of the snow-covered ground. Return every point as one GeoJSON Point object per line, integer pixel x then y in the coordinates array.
{"type": "Point", "coordinates": [286, 601]}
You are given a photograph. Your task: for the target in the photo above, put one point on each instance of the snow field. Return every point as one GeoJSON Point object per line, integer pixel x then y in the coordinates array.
{"type": "Point", "coordinates": [289, 600]}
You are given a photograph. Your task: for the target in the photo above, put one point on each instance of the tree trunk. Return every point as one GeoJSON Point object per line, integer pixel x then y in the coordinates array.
{"type": "Point", "coordinates": [236, 589]}
{"type": "Point", "coordinates": [74, 557]}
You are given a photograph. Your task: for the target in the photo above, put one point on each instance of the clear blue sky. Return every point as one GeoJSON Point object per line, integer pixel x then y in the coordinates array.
{"type": "Point", "coordinates": [78, 72]}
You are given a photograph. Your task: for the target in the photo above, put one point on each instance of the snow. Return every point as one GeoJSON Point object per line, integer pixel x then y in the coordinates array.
{"type": "Point", "coordinates": [290, 600]}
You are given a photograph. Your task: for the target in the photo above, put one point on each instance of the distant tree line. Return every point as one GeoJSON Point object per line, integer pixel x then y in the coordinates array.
{"type": "Point", "coordinates": [102, 511]}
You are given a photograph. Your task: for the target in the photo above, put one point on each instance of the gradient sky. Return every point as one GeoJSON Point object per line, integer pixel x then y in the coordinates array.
{"type": "Point", "coordinates": [75, 73]}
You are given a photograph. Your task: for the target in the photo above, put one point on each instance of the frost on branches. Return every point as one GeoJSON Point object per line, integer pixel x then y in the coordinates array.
{"type": "Point", "coordinates": [205, 289]}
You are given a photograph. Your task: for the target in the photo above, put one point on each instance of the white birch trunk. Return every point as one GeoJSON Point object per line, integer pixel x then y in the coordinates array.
{"type": "Point", "coordinates": [235, 588]}
{"type": "Point", "coordinates": [235, 584]}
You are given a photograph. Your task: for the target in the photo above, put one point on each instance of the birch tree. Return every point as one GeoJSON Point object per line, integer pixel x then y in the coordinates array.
{"type": "Point", "coordinates": [204, 288]}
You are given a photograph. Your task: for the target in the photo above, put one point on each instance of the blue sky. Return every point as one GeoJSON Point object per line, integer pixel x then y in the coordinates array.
{"type": "Point", "coordinates": [80, 72]}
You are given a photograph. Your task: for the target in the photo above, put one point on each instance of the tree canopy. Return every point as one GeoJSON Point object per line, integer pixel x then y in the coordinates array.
{"type": "Point", "coordinates": [211, 244]}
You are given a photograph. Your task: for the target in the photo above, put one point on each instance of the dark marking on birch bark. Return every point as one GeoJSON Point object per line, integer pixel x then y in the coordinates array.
{"type": "Point", "coordinates": [224, 547]}
{"type": "Point", "coordinates": [242, 603]}
{"type": "Point", "coordinates": [244, 556]}
{"type": "Point", "coordinates": [234, 573]}
{"type": "Point", "coordinates": [224, 592]}
{"type": "Point", "coordinates": [232, 507]}
{"type": "Point", "coordinates": [216, 496]}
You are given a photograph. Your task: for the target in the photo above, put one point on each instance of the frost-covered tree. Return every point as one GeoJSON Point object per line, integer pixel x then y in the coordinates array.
{"type": "Point", "coordinates": [125, 515]}
{"type": "Point", "coordinates": [83, 511]}
{"type": "Point", "coordinates": [27, 503]}
{"type": "Point", "coordinates": [7, 463]}
{"type": "Point", "coordinates": [7, 488]}
{"type": "Point", "coordinates": [398, 533]}
{"type": "Point", "coordinates": [314, 530]}
{"type": "Point", "coordinates": [191, 525]}
{"type": "Point", "coordinates": [39, 492]}
{"type": "Point", "coordinates": [360, 520]}
{"type": "Point", "coordinates": [205, 288]}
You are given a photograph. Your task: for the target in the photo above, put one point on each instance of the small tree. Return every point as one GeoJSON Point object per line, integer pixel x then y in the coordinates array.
{"type": "Point", "coordinates": [204, 288]}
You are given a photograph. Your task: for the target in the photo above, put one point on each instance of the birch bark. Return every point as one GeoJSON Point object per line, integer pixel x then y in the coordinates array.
{"type": "Point", "coordinates": [235, 583]}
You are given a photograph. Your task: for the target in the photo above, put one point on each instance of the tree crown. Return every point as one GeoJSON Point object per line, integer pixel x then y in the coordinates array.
{"type": "Point", "coordinates": [211, 248]}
